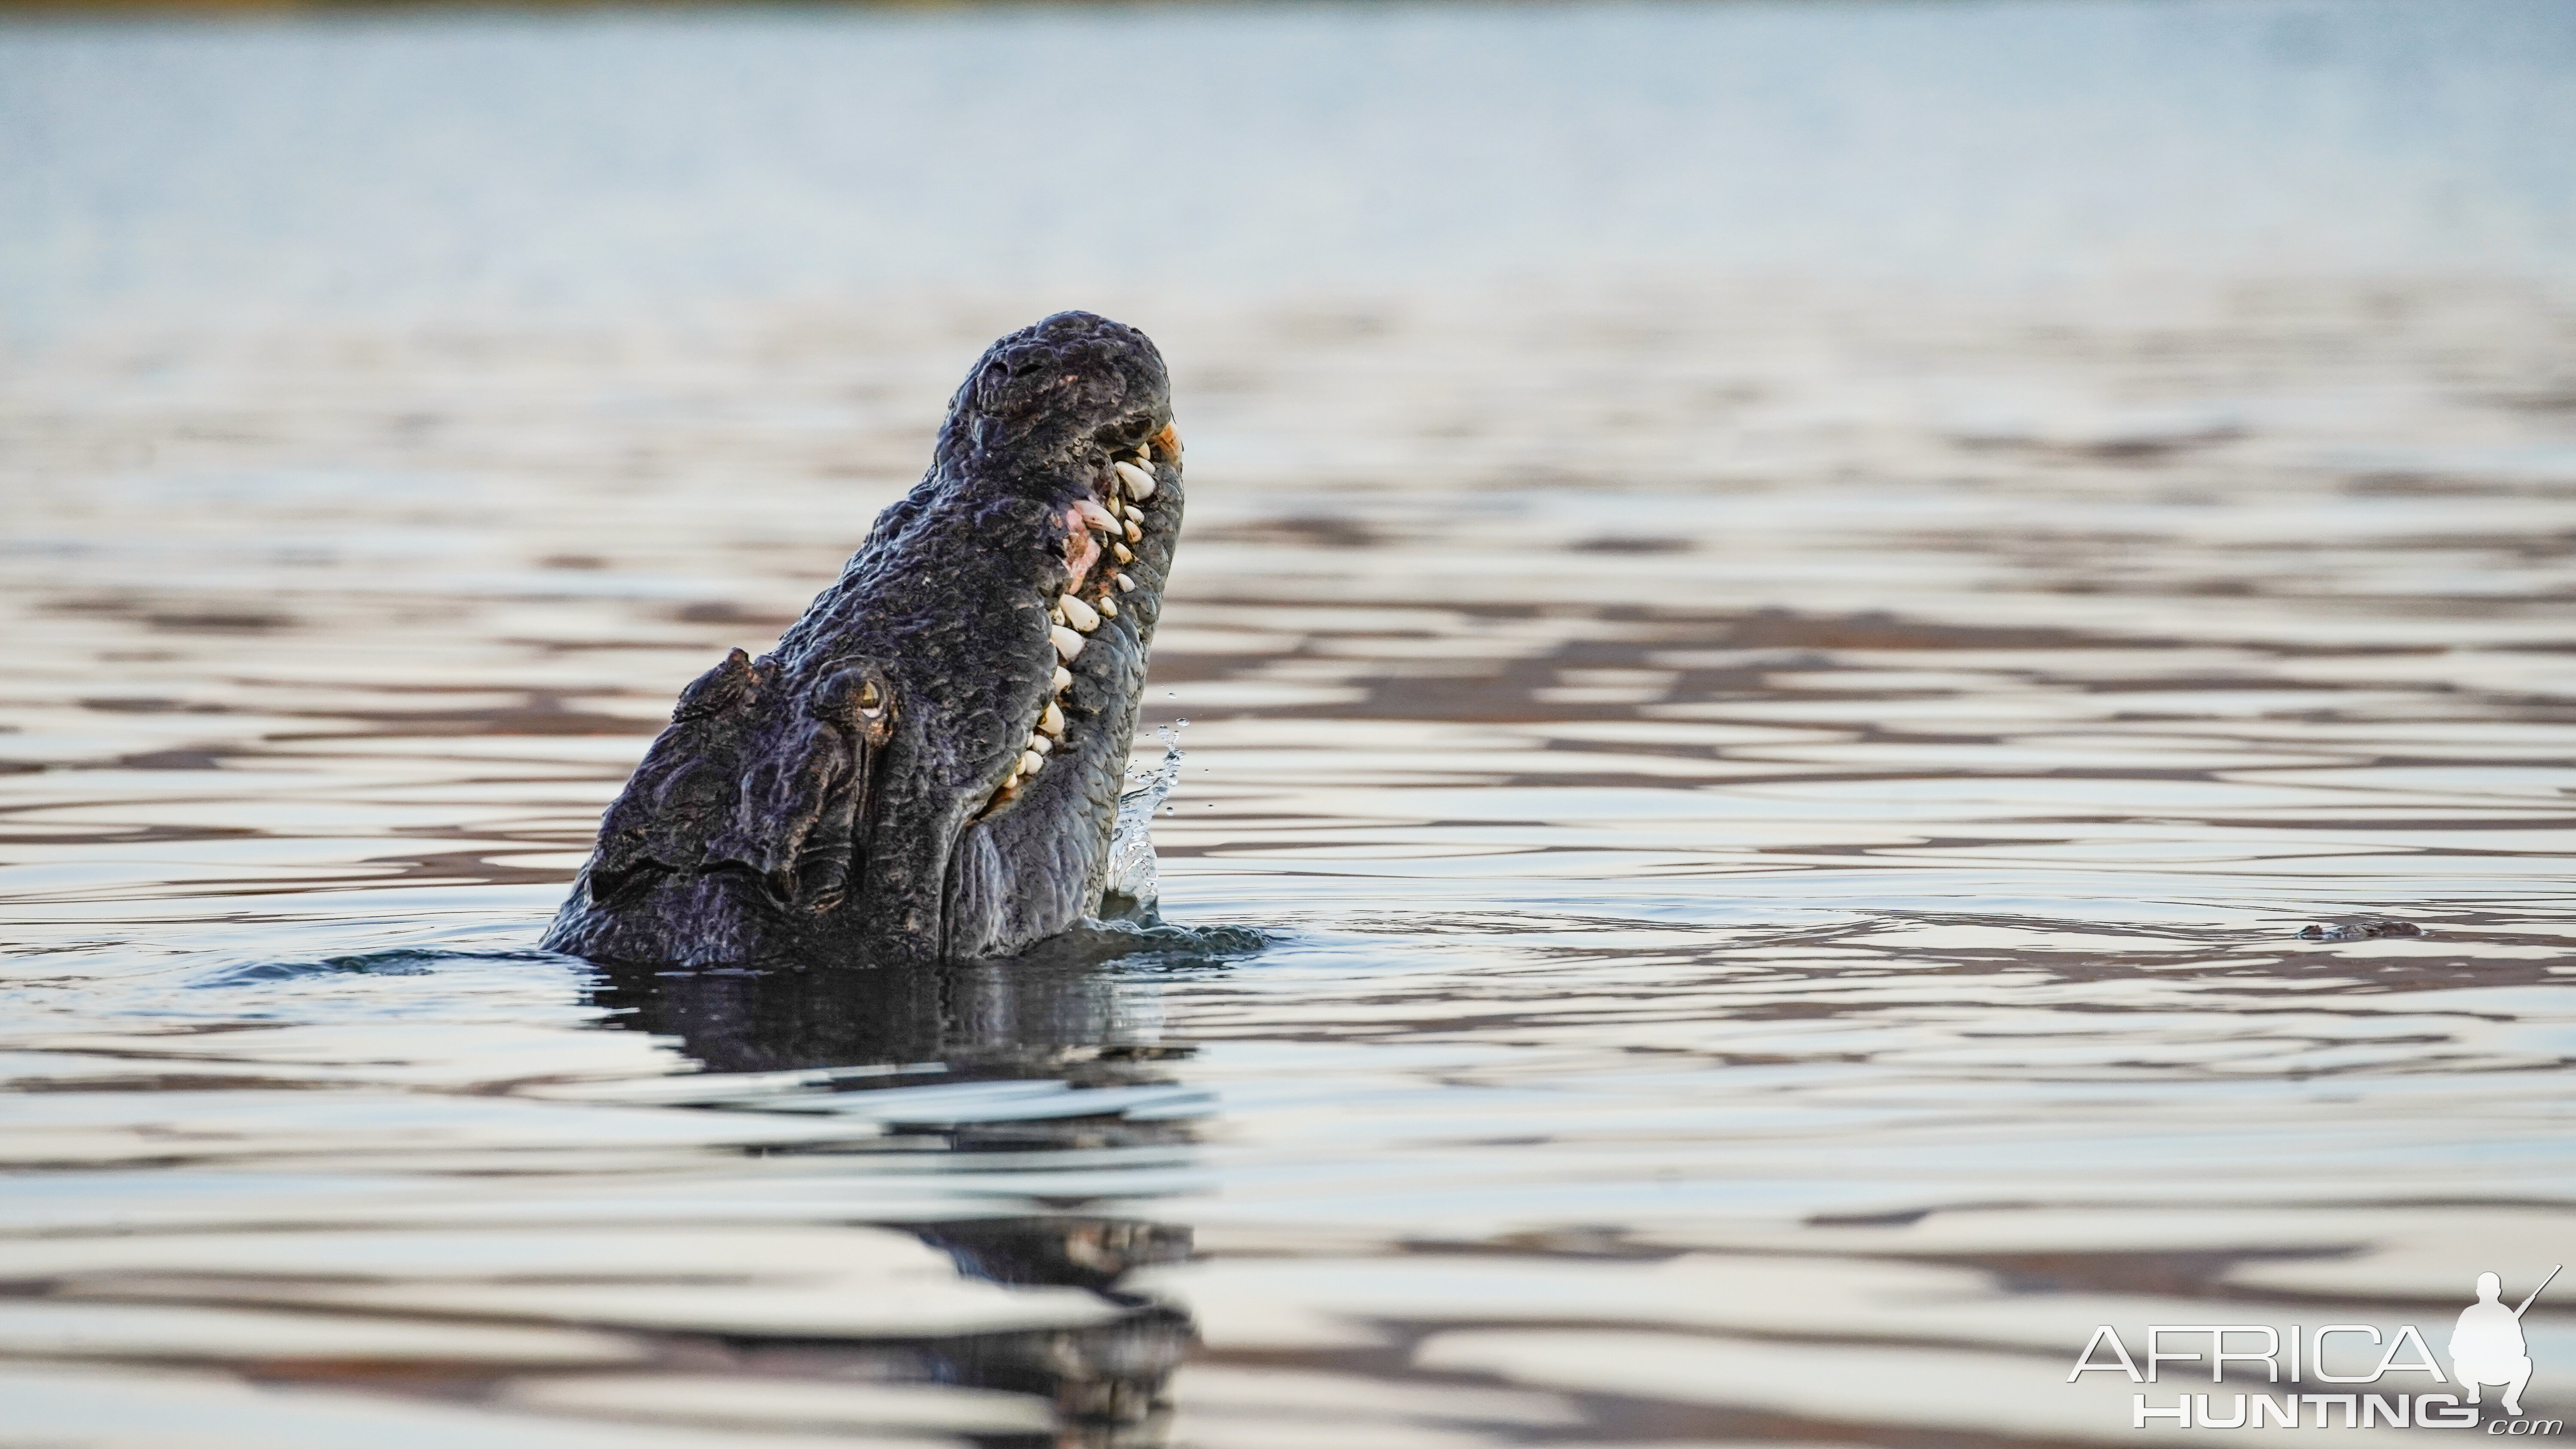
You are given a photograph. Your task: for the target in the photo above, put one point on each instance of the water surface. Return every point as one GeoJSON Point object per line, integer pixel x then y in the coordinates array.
{"type": "Point", "coordinates": [1785, 799]}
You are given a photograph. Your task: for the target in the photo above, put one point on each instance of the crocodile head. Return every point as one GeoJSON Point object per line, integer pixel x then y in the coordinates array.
{"type": "Point", "coordinates": [928, 765]}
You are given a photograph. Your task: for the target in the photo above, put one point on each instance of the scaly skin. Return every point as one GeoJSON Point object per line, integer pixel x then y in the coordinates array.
{"type": "Point", "coordinates": [858, 796]}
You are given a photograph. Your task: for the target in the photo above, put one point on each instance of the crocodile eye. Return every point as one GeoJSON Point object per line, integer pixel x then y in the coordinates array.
{"type": "Point", "coordinates": [857, 697]}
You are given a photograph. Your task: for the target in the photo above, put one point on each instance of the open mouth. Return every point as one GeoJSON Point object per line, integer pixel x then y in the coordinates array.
{"type": "Point", "coordinates": [928, 762]}
{"type": "Point", "coordinates": [1102, 534]}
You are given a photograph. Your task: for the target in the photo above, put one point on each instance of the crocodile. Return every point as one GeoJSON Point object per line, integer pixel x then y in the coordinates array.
{"type": "Point", "coordinates": [928, 765]}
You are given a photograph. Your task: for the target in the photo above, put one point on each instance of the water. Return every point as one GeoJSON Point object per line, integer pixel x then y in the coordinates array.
{"type": "Point", "coordinates": [1132, 864]}
{"type": "Point", "coordinates": [1782, 778]}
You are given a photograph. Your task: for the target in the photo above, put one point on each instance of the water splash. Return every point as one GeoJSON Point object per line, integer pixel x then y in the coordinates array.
{"type": "Point", "coordinates": [1131, 849]}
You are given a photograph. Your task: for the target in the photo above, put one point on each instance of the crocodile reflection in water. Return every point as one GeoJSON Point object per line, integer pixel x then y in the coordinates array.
{"type": "Point", "coordinates": [1021, 1020]}
{"type": "Point", "coordinates": [928, 765]}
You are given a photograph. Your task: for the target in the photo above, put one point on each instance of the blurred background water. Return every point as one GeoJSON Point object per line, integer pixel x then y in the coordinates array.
{"type": "Point", "coordinates": [1788, 610]}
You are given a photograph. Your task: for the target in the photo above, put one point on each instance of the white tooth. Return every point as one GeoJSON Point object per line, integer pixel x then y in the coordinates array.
{"type": "Point", "coordinates": [1124, 553]}
{"type": "Point", "coordinates": [1063, 680]}
{"type": "Point", "coordinates": [1126, 585]}
{"type": "Point", "coordinates": [1040, 744]}
{"type": "Point", "coordinates": [1079, 614]}
{"type": "Point", "coordinates": [1134, 534]}
{"type": "Point", "coordinates": [1140, 484]}
{"type": "Point", "coordinates": [1032, 762]}
{"type": "Point", "coordinates": [1051, 722]}
{"type": "Point", "coordinates": [1067, 643]}
{"type": "Point", "coordinates": [1108, 607]}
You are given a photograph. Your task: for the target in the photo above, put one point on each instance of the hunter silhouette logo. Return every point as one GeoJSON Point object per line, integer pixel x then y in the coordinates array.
{"type": "Point", "coordinates": [2487, 1346]}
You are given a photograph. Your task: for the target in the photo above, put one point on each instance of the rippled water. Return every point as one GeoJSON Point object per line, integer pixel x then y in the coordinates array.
{"type": "Point", "coordinates": [1785, 809]}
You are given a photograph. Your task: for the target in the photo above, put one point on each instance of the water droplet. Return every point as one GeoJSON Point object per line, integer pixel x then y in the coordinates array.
{"type": "Point", "coordinates": [1131, 848]}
